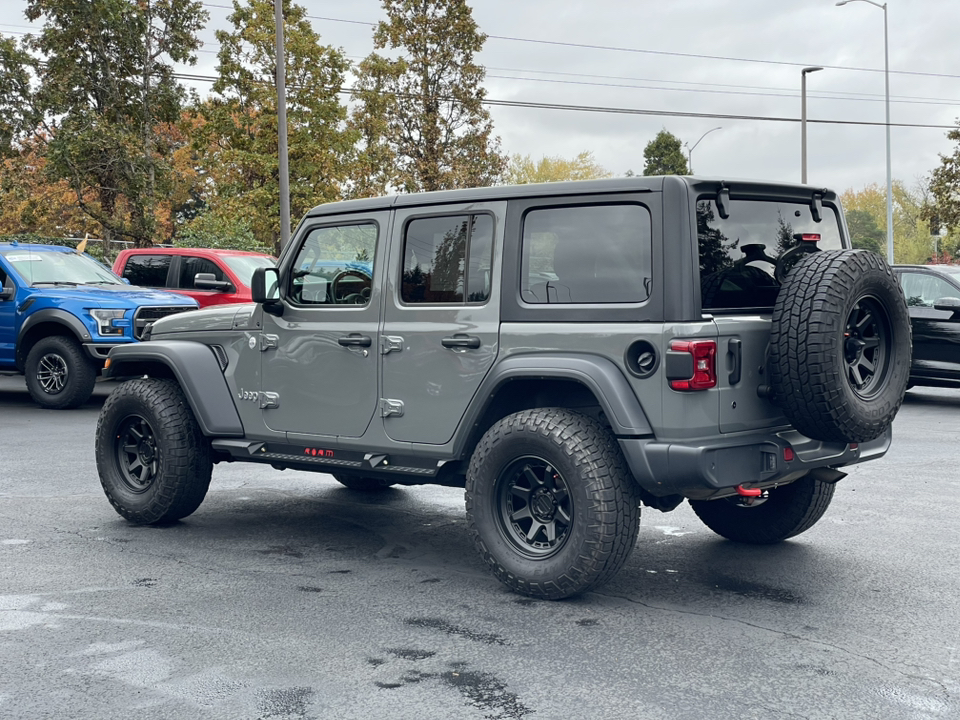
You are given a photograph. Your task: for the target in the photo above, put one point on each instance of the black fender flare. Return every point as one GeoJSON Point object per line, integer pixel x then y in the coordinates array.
{"type": "Point", "coordinates": [198, 373]}
{"type": "Point", "coordinates": [52, 315]}
{"type": "Point", "coordinates": [599, 374]}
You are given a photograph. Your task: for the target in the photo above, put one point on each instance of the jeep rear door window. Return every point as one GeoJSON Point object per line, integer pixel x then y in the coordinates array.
{"type": "Point", "coordinates": [586, 254]}
{"type": "Point", "coordinates": [739, 253]}
{"type": "Point", "coordinates": [334, 266]}
{"type": "Point", "coordinates": [147, 270]}
{"type": "Point", "coordinates": [447, 260]}
{"type": "Point", "coordinates": [191, 266]}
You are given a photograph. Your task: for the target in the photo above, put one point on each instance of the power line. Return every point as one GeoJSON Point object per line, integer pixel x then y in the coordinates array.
{"type": "Point", "coordinates": [631, 111]}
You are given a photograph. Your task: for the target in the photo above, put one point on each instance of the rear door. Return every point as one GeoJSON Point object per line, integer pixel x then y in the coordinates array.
{"type": "Point", "coordinates": [441, 317]}
{"type": "Point", "coordinates": [738, 258]}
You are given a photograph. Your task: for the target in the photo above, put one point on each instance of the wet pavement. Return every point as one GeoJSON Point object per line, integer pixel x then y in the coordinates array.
{"type": "Point", "coordinates": [287, 596]}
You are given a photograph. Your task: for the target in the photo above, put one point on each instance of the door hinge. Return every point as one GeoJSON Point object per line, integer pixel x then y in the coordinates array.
{"type": "Point", "coordinates": [269, 342]}
{"type": "Point", "coordinates": [391, 407]}
{"type": "Point", "coordinates": [390, 343]}
{"type": "Point", "coordinates": [269, 400]}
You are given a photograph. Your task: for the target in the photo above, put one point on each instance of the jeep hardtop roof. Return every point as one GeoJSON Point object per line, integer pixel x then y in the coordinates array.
{"type": "Point", "coordinates": [634, 184]}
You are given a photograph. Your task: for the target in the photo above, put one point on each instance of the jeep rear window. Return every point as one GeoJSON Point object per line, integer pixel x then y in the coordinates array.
{"type": "Point", "coordinates": [738, 254]}
{"type": "Point", "coordinates": [586, 254]}
{"type": "Point", "coordinates": [147, 270]}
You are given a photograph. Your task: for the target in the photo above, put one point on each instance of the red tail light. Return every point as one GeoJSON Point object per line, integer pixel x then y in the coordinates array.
{"type": "Point", "coordinates": [810, 237]}
{"type": "Point", "coordinates": [704, 354]}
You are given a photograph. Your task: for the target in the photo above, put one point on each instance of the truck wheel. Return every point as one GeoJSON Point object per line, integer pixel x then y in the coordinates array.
{"type": "Point", "coordinates": [59, 376]}
{"type": "Point", "coordinates": [840, 346]}
{"type": "Point", "coordinates": [787, 511]}
{"type": "Point", "coordinates": [355, 482]}
{"type": "Point", "coordinates": [154, 462]}
{"type": "Point", "coordinates": [551, 506]}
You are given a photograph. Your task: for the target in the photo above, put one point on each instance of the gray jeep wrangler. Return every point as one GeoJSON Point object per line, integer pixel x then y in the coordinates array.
{"type": "Point", "coordinates": [564, 352]}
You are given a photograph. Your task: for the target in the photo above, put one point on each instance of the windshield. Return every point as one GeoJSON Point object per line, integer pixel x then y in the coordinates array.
{"type": "Point", "coordinates": [58, 268]}
{"type": "Point", "coordinates": [244, 265]}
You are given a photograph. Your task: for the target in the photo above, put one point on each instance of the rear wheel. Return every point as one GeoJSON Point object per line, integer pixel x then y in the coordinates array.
{"type": "Point", "coordinates": [366, 484]}
{"type": "Point", "coordinates": [785, 512]}
{"type": "Point", "coordinates": [550, 504]}
{"type": "Point", "coordinates": [154, 462]}
{"type": "Point", "coordinates": [58, 374]}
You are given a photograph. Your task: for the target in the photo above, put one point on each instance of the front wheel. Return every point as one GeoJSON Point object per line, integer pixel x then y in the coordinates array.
{"type": "Point", "coordinates": [551, 507]}
{"type": "Point", "coordinates": [154, 462]}
{"type": "Point", "coordinates": [58, 374]}
{"type": "Point", "coordinates": [785, 512]}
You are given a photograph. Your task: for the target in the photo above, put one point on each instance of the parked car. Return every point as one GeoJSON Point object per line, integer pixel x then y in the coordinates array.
{"type": "Point", "coordinates": [564, 352]}
{"type": "Point", "coordinates": [933, 301]}
{"type": "Point", "coordinates": [60, 315]}
{"type": "Point", "coordinates": [209, 276]}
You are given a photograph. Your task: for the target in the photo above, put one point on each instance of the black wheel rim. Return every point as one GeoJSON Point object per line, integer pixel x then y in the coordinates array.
{"type": "Point", "coordinates": [534, 509]}
{"type": "Point", "coordinates": [52, 373]}
{"type": "Point", "coordinates": [866, 347]}
{"type": "Point", "coordinates": [137, 456]}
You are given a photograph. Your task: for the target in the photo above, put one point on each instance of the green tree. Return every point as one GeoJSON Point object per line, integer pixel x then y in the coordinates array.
{"type": "Point", "coordinates": [912, 242]}
{"type": "Point", "coordinates": [664, 155]}
{"type": "Point", "coordinates": [522, 169]}
{"type": "Point", "coordinates": [865, 233]}
{"type": "Point", "coordinates": [102, 97]}
{"type": "Point", "coordinates": [237, 138]}
{"type": "Point", "coordinates": [429, 99]}
{"type": "Point", "coordinates": [944, 208]}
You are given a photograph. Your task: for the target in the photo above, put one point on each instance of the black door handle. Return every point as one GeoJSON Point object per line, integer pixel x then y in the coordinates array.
{"type": "Point", "coordinates": [736, 362]}
{"type": "Point", "coordinates": [461, 341]}
{"type": "Point", "coordinates": [355, 340]}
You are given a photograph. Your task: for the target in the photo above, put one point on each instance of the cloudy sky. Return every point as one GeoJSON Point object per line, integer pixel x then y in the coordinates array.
{"type": "Point", "coordinates": [709, 57]}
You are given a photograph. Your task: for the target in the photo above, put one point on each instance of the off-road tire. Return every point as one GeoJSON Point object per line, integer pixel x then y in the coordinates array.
{"type": "Point", "coordinates": [818, 350]}
{"type": "Point", "coordinates": [571, 452]}
{"type": "Point", "coordinates": [365, 484]}
{"type": "Point", "coordinates": [59, 376]}
{"type": "Point", "coordinates": [788, 511]}
{"type": "Point", "coordinates": [174, 451]}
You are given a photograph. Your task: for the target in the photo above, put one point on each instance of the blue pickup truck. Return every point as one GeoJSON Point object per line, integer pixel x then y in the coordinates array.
{"type": "Point", "coordinates": [60, 314]}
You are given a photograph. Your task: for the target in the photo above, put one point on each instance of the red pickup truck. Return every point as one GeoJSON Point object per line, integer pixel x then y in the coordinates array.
{"type": "Point", "coordinates": [211, 277]}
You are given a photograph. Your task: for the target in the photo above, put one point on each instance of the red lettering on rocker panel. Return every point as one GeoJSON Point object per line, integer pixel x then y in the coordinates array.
{"type": "Point", "coordinates": [318, 452]}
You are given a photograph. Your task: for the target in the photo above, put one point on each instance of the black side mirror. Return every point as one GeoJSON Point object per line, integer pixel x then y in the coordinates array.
{"type": "Point", "coordinates": [948, 304]}
{"type": "Point", "coordinates": [265, 289]}
{"type": "Point", "coordinates": [6, 293]}
{"type": "Point", "coordinates": [208, 281]}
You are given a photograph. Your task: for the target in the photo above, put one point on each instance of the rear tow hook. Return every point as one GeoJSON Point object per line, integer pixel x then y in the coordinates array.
{"type": "Point", "coordinates": [751, 497]}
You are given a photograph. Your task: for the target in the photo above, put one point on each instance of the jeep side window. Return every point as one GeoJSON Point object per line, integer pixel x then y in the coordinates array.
{"type": "Point", "coordinates": [147, 270]}
{"type": "Point", "coordinates": [738, 254]}
{"type": "Point", "coordinates": [586, 254]}
{"type": "Point", "coordinates": [334, 266]}
{"type": "Point", "coordinates": [447, 260]}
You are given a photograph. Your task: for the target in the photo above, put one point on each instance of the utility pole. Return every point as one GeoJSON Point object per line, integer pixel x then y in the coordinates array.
{"type": "Point", "coordinates": [284, 169]}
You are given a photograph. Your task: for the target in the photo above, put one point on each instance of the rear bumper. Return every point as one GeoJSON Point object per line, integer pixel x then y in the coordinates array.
{"type": "Point", "coordinates": [716, 469]}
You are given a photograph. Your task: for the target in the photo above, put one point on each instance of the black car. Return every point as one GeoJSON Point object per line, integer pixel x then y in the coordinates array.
{"type": "Point", "coordinates": [933, 300]}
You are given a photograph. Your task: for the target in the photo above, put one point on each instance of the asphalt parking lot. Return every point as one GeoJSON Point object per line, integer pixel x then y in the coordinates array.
{"type": "Point", "coordinates": [287, 596]}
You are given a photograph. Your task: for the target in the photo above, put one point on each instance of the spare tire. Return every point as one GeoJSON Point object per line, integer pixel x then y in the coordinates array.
{"type": "Point", "coordinates": [840, 346]}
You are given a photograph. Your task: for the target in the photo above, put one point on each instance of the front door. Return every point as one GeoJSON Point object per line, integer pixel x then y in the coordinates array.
{"type": "Point", "coordinates": [936, 333]}
{"type": "Point", "coordinates": [320, 356]}
{"type": "Point", "coordinates": [441, 317]}
{"type": "Point", "coordinates": [8, 333]}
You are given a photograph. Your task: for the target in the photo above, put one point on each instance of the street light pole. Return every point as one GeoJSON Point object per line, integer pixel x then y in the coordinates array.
{"type": "Point", "coordinates": [690, 149]}
{"type": "Point", "coordinates": [803, 121]}
{"type": "Point", "coordinates": [282, 159]}
{"type": "Point", "coordinates": [886, 78]}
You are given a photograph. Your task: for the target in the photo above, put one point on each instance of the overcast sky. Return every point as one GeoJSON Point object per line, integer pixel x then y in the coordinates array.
{"type": "Point", "coordinates": [773, 39]}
